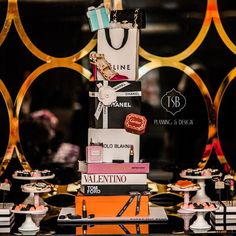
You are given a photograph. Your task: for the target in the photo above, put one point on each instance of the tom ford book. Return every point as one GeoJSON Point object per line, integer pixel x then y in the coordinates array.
{"type": "Point", "coordinates": [104, 179]}
{"type": "Point", "coordinates": [112, 189]}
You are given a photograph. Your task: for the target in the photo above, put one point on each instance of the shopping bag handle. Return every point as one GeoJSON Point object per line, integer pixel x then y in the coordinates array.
{"type": "Point", "coordinates": [125, 38]}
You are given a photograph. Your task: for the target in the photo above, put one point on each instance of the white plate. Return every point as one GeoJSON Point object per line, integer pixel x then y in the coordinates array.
{"type": "Point", "coordinates": [200, 210]}
{"type": "Point", "coordinates": [189, 189]}
{"type": "Point", "coordinates": [37, 191]}
{"type": "Point", "coordinates": [33, 178]}
{"type": "Point", "coordinates": [31, 212]}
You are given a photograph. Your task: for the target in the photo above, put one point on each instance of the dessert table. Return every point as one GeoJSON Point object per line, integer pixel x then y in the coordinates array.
{"type": "Point", "coordinates": [175, 225]}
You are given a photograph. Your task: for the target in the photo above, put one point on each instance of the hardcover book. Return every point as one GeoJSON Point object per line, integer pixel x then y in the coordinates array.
{"type": "Point", "coordinates": [113, 206]}
{"type": "Point", "coordinates": [112, 189]}
{"type": "Point", "coordinates": [6, 229]}
{"type": "Point", "coordinates": [5, 209]}
{"type": "Point", "coordinates": [7, 219]}
{"type": "Point", "coordinates": [113, 168]}
{"type": "Point", "coordinates": [225, 220]}
{"type": "Point", "coordinates": [221, 226]}
{"type": "Point", "coordinates": [119, 179]}
{"type": "Point", "coordinates": [227, 208]}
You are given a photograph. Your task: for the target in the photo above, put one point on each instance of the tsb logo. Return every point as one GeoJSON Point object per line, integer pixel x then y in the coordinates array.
{"type": "Point", "coordinates": [173, 101]}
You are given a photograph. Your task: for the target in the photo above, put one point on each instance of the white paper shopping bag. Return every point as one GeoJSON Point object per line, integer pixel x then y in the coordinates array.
{"type": "Point", "coordinates": [120, 47]}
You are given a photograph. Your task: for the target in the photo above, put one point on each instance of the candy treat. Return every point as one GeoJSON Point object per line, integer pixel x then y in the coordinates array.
{"type": "Point", "coordinates": [28, 207]}
{"type": "Point", "coordinates": [199, 205]}
{"type": "Point", "coordinates": [34, 173]}
{"type": "Point", "coordinates": [46, 173]}
{"type": "Point", "coordinates": [6, 186]}
{"type": "Point", "coordinates": [184, 184]}
{"type": "Point", "coordinates": [200, 172]}
{"type": "Point", "coordinates": [23, 173]}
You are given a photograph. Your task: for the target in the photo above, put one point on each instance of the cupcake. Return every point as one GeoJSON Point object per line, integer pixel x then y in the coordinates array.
{"type": "Point", "coordinates": [189, 172]}
{"type": "Point", "coordinates": [17, 208]}
{"type": "Point", "coordinates": [26, 173]}
{"type": "Point", "coordinates": [191, 206]}
{"type": "Point", "coordinates": [46, 172]}
{"type": "Point", "coordinates": [183, 172]}
{"type": "Point", "coordinates": [206, 172]}
{"type": "Point", "coordinates": [18, 172]}
{"type": "Point", "coordinates": [40, 208]}
{"type": "Point", "coordinates": [36, 173]}
{"type": "Point", "coordinates": [212, 206]}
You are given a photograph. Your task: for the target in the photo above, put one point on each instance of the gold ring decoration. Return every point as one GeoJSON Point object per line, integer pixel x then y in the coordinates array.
{"type": "Point", "coordinates": [191, 48]}
{"type": "Point", "coordinates": [37, 52]}
{"type": "Point", "coordinates": [47, 66]}
{"type": "Point", "coordinates": [217, 101]}
{"type": "Point", "coordinates": [13, 141]}
{"type": "Point", "coordinates": [14, 111]}
{"type": "Point", "coordinates": [10, 148]}
{"type": "Point", "coordinates": [220, 29]}
{"type": "Point", "coordinates": [196, 79]}
{"type": "Point", "coordinates": [71, 62]}
{"type": "Point", "coordinates": [220, 93]}
{"type": "Point", "coordinates": [7, 23]}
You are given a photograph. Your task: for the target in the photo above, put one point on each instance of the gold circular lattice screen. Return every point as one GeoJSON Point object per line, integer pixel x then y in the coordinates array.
{"type": "Point", "coordinates": [212, 16]}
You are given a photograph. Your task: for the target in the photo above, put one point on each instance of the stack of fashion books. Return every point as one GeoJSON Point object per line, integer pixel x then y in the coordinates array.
{"type": "Point", "coordinates": [113, 178]}
{"type": "Point", "coordinates": [7, 218]}
{"type": "Point", "coordinates": [224, 218]}
{"type": "Point", "coordinates": [113, 189]}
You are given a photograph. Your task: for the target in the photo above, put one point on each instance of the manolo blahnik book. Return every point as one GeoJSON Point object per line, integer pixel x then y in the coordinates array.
{"type": "Point", "coordinates": [112, 189]}
{"type": "Point", "coordinates": [104, 179]}
{"type": "Point", "coordinates": [113, 168]}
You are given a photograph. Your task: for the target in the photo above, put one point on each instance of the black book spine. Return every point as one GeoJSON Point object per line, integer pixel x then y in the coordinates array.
{"type": "Point", "coordinates": [112, 189]}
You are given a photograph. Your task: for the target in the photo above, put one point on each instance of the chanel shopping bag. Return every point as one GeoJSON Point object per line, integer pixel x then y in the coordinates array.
{"type": "Point", "coordinates": [111, 101]}
{"type": "Point", "coordinates": [120, 47]}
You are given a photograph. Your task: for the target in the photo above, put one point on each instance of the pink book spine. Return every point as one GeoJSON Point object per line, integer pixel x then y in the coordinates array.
{"type": "Point", "coordinates": [118, 168]}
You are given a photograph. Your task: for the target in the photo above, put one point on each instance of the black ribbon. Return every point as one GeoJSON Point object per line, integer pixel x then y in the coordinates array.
{"type": "Point", "coordinates": [124, 228]}
{"type": "Point", "coordinates": [224, 215]}
{"type": "Point", "coordinates": [138, 229]}
{"type": "Point", "coordinates": [126, 206]}
{"type": "Point", "coordinates": [125, 38]}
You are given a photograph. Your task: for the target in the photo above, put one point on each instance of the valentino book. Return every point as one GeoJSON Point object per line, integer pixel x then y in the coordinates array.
{"type": "Point", "coordinates": [104, 179]}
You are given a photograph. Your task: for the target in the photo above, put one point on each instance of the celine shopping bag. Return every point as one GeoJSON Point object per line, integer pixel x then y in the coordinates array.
{"type": "Point", "coordinates": [120, 47]}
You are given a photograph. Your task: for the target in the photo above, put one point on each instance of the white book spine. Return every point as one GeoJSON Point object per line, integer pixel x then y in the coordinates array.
{"type": "Point", "coordinates": [106, 179]}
